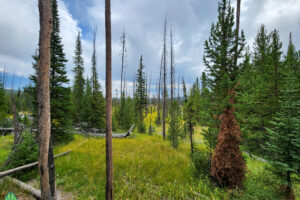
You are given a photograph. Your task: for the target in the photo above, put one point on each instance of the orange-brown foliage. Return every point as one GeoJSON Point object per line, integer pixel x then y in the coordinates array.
{"type": "Point", "coordinates": [227, 165]}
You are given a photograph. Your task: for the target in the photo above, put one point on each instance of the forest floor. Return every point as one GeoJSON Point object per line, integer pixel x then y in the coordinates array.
{"type": "Point", "coordinates": [145, 167]}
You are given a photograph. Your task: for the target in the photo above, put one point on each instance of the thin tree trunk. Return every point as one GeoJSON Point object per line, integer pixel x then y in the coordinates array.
{"type": "Point", "coordinates": [43, 97]}
{"type": "Point", "coordinates": [238, 8]}
{"type": "Point", "coordinates": [165, 79]}
{"type": "Point", "coordinates": [159, 90]}
{"type": "Point", "coordinates": [172, 71]}
{"type": "Point", "coordinates": [123, 58]}
{"type": "Point", "coordinates": [109, 155]}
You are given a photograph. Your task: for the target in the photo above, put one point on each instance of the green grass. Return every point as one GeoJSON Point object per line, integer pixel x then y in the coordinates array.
{"type": "Point", "coordinates": [146, 167]}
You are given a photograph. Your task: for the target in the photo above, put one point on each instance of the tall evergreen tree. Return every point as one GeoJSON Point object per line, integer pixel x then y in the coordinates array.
{"type": "Point", "coordinates": [87, 107]}
{"type": "Point", "coordinates": [97, 117]}
{"type": "Point", "coordinates": [60, 95]}
{"type": "Point", "coordinates": [140, 97]}
{"type": "Point", "coordinates": [283, 144]}
{"type": "Point", "coordinates": [78, 86]}
{"type": "Point", "coordinates": [175, 133]}
{"type": "Point", "coordinates": [3, 102]}
{"type": "Point", "coordinates": [220, 51]}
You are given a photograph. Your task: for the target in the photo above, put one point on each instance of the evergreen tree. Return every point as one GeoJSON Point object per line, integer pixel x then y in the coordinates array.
{"type": "Point", "coordinates": [220, 52]}
{"type": "Point", "coordinates": [87, 108]}
{"type": "Point", "coordinates": [97, 118]}
{"type": "Point", "coordinates": [283, 144]}
{"type": "Point", "coordinates": [140, 97]}
{"type": "Point", "coordinates": [3, 102]}
{"type": "Point", "coordinates": [175, 131]}
{"type": "Point", "coordinates": [78, 86]}
{"type": "Point", "coordinates": [60, 95]}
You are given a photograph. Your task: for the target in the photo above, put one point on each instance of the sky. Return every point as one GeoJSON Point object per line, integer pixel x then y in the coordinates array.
{"type": "Point", "coordinates": [143, 23]}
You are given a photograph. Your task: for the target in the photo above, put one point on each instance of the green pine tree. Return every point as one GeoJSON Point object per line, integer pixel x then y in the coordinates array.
{"type": "Point", "coordinates": [175, 133]}
{"type": "Point", "coordinates": [87, 108]}
{"type": "Point", "coordinates": [97, 118]}
{"type": "Point", "coordinates": [60, 95]}
{"type": "Point", "coordinates": [140, 97]}
{"type": "Point", "coordinates": [283, 145]}
{"type": "Point", "coordinates": [219, 54]}
{"type": "Point", "coordinates": [3, 102]}
{"type": "Point", "coordinates": [78, 86]}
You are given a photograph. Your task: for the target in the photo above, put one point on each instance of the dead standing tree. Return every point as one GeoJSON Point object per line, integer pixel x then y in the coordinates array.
{"type": "Point", "coordinates": [123, 57]}
{"type": "Point", "coordinates": [108, 116]}
{"type": "Point", "coordinates": [165, 79]}
{"type": "Point", "coordinates": [158, 120]}
{"type": "Point", "coordinates": [43, 98]}
{"type": "Point", "coordinates": [238, 8]}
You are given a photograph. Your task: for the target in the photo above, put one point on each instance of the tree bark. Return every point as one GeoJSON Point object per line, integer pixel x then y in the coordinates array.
{"type": "Point", "coordinates": [238, 8]}
{"type": "Point", "coordinates": [108, 117]}
{"type": "Point", "coordinates": [43, 98]}
{"type": "Point", "coordinates": [165, 80]}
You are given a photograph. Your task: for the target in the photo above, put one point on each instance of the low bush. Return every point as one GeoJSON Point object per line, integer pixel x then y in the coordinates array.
{"type": "Point", "coordinates": [201, 162]}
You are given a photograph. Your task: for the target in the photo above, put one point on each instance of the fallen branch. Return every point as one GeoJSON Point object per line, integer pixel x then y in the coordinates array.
{"type": "Point", "coordinates": [25, 187]}
{"type": "Point", "coordinates": [114, 135]}
{"type": "Point", "coordinates": [10, 171]}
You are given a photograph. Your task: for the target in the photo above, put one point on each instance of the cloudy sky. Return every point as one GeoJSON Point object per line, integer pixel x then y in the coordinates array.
{"type": "Point", "coordinates": [143, 22]}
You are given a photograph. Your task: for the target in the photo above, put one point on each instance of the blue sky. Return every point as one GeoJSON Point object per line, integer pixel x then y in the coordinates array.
{"type": "Point", "coordinates": [143, 22]}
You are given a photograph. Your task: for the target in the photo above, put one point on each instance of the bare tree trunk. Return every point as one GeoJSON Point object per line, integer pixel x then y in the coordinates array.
{"type": "Point", "coordinates": [109, 155]}
{"type": "Point", "coordinates": [165, 79]}
{"type": "Point", "coordinates": [238, 8]}
{"type": "Point", "coordinates": [172, 71]}
{"type": "Point", "coordinates": [43, 97]}
{"type": "Point", "coordinates": [123, 42]}
{"type": "Point", "coordinates": [159, 90]}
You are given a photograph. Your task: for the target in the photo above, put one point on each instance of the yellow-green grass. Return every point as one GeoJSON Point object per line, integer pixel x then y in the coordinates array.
{"type": "Point", "coordinates": [146, 167]}
{"type": "Point", "coordinates": [5, 147]}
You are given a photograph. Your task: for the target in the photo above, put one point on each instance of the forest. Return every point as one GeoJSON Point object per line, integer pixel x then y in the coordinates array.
{"type": "Point", "coordinates": [234, 133]}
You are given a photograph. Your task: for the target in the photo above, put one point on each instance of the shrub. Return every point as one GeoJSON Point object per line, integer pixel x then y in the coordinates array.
{"type": "Point", "coordinates": [201, 162]}
{"type": "Point", "coordinates": [26, 152]}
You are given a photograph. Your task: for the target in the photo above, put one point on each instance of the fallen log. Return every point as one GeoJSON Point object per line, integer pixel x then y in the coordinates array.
{"type": "Point", "coordinates": [10, 171]}
{"type": "Point", "coordinates": [28, 188]}
{"type": "Point", "coordinates": [114, 135]}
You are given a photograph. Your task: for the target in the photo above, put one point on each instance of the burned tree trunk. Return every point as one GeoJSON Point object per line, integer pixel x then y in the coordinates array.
{"type": "Point", "coordinates": [108, 117]}
{"type": "Point", "coordinates": [165, 79]}
{"type": "Point", "coordinates": [238, 8]}
{"type": "Point", "coordinates": [43, 98]}
{"type": "Point", "coordinates": [158, 120]}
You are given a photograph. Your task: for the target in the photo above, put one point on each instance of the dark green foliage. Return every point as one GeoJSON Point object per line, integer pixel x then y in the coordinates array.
{"type": "Point", "coordinates": [97, 116]}
{"type": "Point", "coordinates": [87, 109]}
{"type": "Point", "coordinates": [60, 95]}
{"type": "Point", "coordinates": [219, 53]}
{"type": "Point", "coordinates": [3, 102]}
{"type": "Point", "coordinates": [259, 89]}
{"type": "Point", "coordinates": [26, 152]}
{"type": "Point", "coordinates": [283, 144]}
{"type": "Point", "coordinates": [125, 115]}
{"type": "Point", "coordinates": [175, 133]}
{"type": "Point", "coordinates": [201, 163]}
{"type": "Point", "coordinates": [140, 97]}
{"type": "Point", "coordinates": [190, 110]}
{"type": "Point", "coordinates": [79, 82]}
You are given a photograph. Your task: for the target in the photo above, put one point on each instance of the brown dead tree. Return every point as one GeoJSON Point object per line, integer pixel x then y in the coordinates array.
{"type": "Point", "coordinates": [165, 79]}
{"type": "Point", "coordinates": [227, 164]}
{"type": "Point", "coordinates": [108, 117]}
{"type": "Point", "coordinates": [43, 98]}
